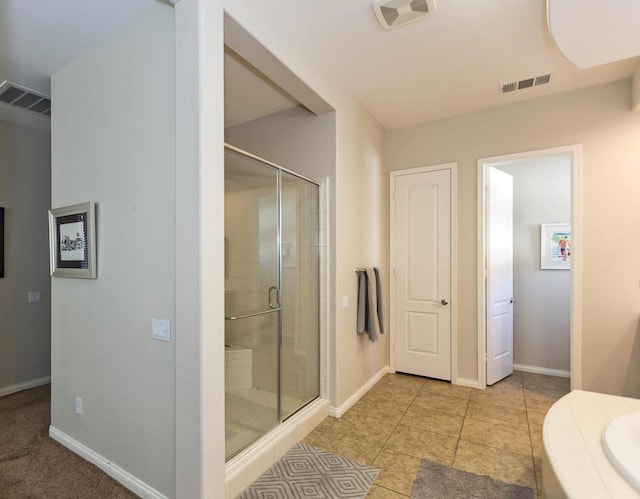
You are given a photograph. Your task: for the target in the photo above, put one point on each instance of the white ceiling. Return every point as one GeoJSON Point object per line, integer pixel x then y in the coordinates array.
{"type": "Point", "coordinates": [450, 63]}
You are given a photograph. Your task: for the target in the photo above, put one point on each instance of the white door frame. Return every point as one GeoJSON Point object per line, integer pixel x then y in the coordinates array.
{"type": "Point", "coordinates": [575, 334]}
{"type": "Point", "coordinates": [453, 169]}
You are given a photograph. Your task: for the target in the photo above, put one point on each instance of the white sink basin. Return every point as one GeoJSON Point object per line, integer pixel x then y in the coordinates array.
{"type": "Point", "coordinates": [621, 442]}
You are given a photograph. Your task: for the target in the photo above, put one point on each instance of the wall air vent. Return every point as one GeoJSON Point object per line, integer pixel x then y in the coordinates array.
{"type": "Point", "coordinates": [533, 81]}
{"type": "Point", "coordinates": [393, 14]}
{"type": "Point", "coordinates": [17, 95]}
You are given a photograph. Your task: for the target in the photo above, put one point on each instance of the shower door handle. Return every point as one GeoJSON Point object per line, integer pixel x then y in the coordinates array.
{"type": "Point", "coordinates": [277, 304]}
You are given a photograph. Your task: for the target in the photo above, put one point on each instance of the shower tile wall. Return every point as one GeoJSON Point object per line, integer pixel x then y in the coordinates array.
{"type": "Point", "coordinates": [249, 275]}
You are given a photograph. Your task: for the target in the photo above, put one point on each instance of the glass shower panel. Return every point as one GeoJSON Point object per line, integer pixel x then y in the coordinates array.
{"type": "Point", "coordinates": [300, 346]}
{"type": "Point", "coordinates": [252, 316]}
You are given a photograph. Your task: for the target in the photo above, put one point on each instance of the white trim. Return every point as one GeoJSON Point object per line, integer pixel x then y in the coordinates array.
{"type": "Point", "coordinates": [470, 383]}
{"type": "Point", "coordinates": [124, 477]}
{"type": "Point", "coordinates": [575, 153]}
{"type": "Point", "coordinates": [542, 370]}
{"type": "Point", "coordinates": [453, 270]}
{"type": "Point", "coordinates": [337, 412]}
{"type": "Point", "coordinates": [324, 235]}
{"type": "Point", "coordinates": [7, 390]}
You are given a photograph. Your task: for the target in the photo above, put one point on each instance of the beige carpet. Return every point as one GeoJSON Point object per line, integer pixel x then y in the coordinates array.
{"type": "Point", "coordinates": [33, 465]}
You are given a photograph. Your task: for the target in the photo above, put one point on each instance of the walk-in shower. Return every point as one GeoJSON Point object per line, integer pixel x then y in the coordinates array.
{"type": "Point", "coordinates": [272, 365]}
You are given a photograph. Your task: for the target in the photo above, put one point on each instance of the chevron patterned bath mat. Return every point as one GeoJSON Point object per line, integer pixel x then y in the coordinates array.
{"type": "Point", "coordinates": [307, 471]}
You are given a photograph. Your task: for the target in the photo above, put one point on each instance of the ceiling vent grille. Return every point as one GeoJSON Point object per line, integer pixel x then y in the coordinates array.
{"type": "Point", "coordinates": [393, 14]}
{"type": "Point", "coordinates": [17, 95]}
{"type": "Point", "coordinates": [534, 81]}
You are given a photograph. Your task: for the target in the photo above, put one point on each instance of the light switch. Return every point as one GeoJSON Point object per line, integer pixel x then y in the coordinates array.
{"type": "Point", "coordinates": [161, 329]}
{"type": "Point", "coordinates": [35, 296]}
{"type": "Point", "coordinates": [345, 302]}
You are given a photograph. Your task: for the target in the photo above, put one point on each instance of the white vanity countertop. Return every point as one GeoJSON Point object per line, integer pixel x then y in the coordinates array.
{"type": "Point", "coordinates": [572, 437]}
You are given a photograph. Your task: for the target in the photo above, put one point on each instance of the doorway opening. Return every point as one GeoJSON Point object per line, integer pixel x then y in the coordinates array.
{"type": "Point", "coordinates": [546, 318]}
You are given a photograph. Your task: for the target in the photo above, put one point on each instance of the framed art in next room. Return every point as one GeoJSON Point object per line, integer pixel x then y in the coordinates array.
{"type": "Point", "coordinates": [555, 246]}
{"type": "Point", "coordinates": [72, 241]}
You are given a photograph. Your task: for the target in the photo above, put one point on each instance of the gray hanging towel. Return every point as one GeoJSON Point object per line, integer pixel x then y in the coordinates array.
{"type": "Point", "coordinates": [372, 305]}
{"type": "Point", "coordinates": [362, 302]}
{"type": "Point", "coordinates": [380, 303]}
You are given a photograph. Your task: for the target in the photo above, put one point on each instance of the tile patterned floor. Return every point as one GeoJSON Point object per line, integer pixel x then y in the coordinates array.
{"type": "Point", "coordinates": [403, 418]}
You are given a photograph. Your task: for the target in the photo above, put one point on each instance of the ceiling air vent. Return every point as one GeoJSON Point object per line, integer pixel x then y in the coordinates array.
{"type": "Point", "coordinates": [393, 14]}
{"type": "Point", "coordinates": [17, 95]}
{"type": "Point", "coordinates": [533, 81]}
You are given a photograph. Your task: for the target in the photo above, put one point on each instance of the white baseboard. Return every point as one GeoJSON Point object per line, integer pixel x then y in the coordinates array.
{"type": "Point", "coordinates": [542, 370]}
{"type": "Point", "coordinates": [117, 473]}
{"type": "Point", "coordinates": [24, 386]}
{"type": "Point", "coordinates": [469, 383]}
{"type": "Point", "coordinates": [337, 412]}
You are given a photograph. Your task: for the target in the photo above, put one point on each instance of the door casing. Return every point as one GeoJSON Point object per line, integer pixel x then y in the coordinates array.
{"type": "Point", "coordinates": [453, 168]}
{"type": "Point", "coordinates": [575, 154]}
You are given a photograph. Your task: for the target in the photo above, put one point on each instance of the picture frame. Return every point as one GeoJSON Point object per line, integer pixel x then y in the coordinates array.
{"type": "Point", "coordinates": [72, 241]}
{"type": "Point", "coordinates": [555, 246]}
{"type": "Point", "coordinates": [1, 243]}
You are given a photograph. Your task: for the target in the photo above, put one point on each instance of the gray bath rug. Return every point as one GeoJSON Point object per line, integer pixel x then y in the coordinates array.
{"type": "Point", "coordinates": [307, 471]}
{"type": "Point", "coordinates": [436, 481]}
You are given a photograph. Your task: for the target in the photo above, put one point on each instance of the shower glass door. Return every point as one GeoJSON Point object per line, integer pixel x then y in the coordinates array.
{"type": "Point", "coordinates": [300, 348]}
{"type": "Point", "coordinates": [272, 290]}
{"type": "Point", "coordinates": [252, 301]}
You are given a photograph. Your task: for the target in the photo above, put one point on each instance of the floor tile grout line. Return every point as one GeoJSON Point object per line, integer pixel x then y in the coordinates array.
{"type": "Point", "coordinates": [398, 423]}
{"type": "Point", "coordinates": [391, 433]}
{"type": "Point", "coordinates": [533, 459]}
{"type": "Point", "coordinates": [466, 410]}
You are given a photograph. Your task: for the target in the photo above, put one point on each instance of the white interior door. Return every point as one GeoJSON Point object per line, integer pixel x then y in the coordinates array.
{"type": "Point", "coordinates": [423, 273]}
{"type": "Point", "coordinates": [499, 276]}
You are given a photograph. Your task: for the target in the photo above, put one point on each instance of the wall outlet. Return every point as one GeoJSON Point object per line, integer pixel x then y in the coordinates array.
{"type": "Point", "coordinates": [78, 405]}
{"type": "Point", "coordinates": [35, 296]}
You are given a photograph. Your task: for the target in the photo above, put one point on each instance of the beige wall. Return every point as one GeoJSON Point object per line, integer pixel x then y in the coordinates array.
{"type": "Point", "coordinates": [25, 194]}
{"type": "Point", "coordinates": [600, 119]}
{"type": "Point", "coordinates": [362, 241]}
{"type": "Point", "coordinates": [113, 142]}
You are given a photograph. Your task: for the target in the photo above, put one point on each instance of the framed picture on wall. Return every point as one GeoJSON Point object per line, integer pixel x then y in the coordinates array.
{"type": "Point", "coordinates": [72, 241]}
{"type": "Point", "coordinates": [1, 242]}
{"type": "Point", "coordinates": [555, 246]}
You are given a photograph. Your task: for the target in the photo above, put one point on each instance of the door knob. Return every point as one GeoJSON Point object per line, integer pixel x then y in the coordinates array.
{"type": "Point", "coordinates": [444, 301]}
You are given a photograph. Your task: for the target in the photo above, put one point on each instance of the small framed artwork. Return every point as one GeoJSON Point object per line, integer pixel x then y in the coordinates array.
{"type": "Point", "coordinates": [1, 242]}
{"type": "Point", "coordinates": [72, 241]}
{"type": "Point", "coordinates": [555, 246]}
